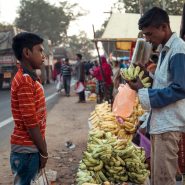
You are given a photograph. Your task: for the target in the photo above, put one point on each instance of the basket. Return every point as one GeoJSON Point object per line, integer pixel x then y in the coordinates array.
{"type": "Point", "coordinates": [181, 154]}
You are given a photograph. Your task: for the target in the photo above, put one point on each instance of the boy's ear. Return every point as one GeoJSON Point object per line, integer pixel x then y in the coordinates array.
{"type": "Point", "coordinates": [26, 52]}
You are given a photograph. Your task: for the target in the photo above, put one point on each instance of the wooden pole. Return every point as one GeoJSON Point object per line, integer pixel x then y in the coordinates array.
{"type": "Point", "coordinates": [100, 62]}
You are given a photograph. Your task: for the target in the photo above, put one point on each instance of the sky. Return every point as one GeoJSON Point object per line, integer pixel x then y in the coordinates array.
{"type": "Point", "coordinates": [95, 16]}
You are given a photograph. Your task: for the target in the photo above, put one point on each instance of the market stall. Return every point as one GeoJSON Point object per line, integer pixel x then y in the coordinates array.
{"type": "Point", "coordinates": [111, 157]}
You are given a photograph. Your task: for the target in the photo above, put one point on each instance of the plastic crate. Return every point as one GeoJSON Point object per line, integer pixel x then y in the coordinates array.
{"type": "Point", "coordinates": [181, 154]}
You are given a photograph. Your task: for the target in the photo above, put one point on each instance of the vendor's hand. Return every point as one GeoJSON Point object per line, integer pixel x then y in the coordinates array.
{"type": "Point", "coordinates": [143, 68]}
{"type": "Point", "coordinates": [135, 85]}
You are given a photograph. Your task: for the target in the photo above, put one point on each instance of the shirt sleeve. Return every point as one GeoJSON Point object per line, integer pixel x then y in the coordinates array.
{"type": "Point", "coordinates": [176, 90]}
{"type": "Point", "coordinates": [27, 107]}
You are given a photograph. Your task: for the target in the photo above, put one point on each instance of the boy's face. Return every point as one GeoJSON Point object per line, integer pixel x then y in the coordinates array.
{"type": "Point", "coordinates": [37, 56]}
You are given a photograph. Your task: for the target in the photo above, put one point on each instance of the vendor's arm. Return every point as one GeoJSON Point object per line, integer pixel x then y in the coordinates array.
{"type": "Point", "coordinates": [158, 98]}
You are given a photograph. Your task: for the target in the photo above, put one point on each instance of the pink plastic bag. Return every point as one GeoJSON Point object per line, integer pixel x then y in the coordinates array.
{"type": "Point", "coordinates": [124, 101]}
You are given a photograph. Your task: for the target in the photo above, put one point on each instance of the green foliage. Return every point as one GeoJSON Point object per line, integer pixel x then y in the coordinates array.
{"type": "Point", "coordinates": [81, 44]}
{"type": "Point", "coordinates": [5, 27]}
{"type": "Point", "coordinates": [98, 33]}
{"type": "Point", "coordinates": [173, 7]}
{"type": "Point", "coordinates": [48, 20]}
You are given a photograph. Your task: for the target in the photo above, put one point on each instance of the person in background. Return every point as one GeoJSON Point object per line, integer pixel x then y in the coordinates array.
{"type": "Point", "coordinates": [87, 68]}
{"type": "Point", "coordinates": [66, 74]}
{"type": "Point", "coordinates": [57, 69]}
{"type": "Point", "coordinates": [152, 64]}
{"type": "Point", "coordinates": [124, 63]}
{"type": "Point", "coordinates": [80, 76]}
{"type": "Point", "coordinates": [28, 106]}
{"type": "Point", "coordinates": [108, 86]}
{"type": "Point", "coordinates": [166, 99]}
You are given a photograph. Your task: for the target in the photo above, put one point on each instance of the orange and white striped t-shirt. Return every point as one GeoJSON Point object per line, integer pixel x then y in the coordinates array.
{"type": "Point", "coordinates": [28, 108]}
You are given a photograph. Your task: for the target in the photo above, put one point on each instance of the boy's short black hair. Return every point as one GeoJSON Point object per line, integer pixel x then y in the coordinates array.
{"type": "Point", "coordinates": [153, 17]}
{"type": "Point", "coordinates": [79, 55]}
{"type": "Point", "coordinates": [24, 40]}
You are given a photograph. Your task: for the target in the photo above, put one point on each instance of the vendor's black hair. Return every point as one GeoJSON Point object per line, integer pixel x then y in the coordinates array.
{"type": "Point", "coordinates": [153, 17]}
{"type": "Point", "coordinates": [24, 40]}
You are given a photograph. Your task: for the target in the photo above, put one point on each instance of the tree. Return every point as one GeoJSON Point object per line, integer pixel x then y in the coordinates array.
{"type": "Point", "coordinates": [98, 33]}
{"type": "Point", "coordinates": [5, 27]}
{"type": "Point", "coordinates": [81, 44]}
{"type": "Point", "coordinates": [173, 7]}
{"type": "Point", "coordinates": [48, 20]}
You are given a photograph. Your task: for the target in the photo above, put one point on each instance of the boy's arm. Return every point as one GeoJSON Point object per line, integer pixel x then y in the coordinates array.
{"type": "Point", "coordinates": [40, 143]}
{"type": "Point", "coordinates": [38, 140]}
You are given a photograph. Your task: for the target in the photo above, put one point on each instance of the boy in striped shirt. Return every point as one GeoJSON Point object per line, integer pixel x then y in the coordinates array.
{"type": "Point", "coordinates": [28, 145]}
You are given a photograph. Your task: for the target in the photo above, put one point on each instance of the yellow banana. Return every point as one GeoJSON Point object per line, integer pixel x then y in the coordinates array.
{"type": "Point", "coordinates": [147, 85]}
{"type": "Point", "coordinates": [122, 161]}
{"type": "Point", "coordinates": [102, 176]}
{"type": "Point", "coordinates": [88, 164]}
{"type": "Point", "coordinates": [131, 71]}
{"type": "Point", "coordinates": [131, 130]}
{"type": "Point", "coordinates": [124, 178]}
{"type": "Point", "coordinates": [136, 71]}
{"type": "Point", "coordinates": [90, 159]}
{"type": "Point", "coordinates": [128, 125]}
{"type": "Point", "coordinates": [99, 167]}
{"type": "Point", "coordinates": [145, 80]}
{"type": "Point", "coordinates": [141, 74]}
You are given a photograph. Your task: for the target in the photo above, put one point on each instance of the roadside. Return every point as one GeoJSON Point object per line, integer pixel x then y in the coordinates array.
{"type": "Point", "coordinates": [67, 121]}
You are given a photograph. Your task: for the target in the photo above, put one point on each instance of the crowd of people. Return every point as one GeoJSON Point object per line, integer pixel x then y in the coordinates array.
{"type": "Point", "coordinates": [106, 75]}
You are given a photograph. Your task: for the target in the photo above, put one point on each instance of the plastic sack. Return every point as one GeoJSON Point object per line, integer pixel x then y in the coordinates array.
{"type": "Point", "coordinates": [142, 52]}
{"type": "Point", "coordinates": [41, 179]}
{"type": "Point", "coordinates": [59, 85]}
{"type": "Point", "coordinates": [79, 87]}
{"type": "Point", "coordinates": [124, 101]}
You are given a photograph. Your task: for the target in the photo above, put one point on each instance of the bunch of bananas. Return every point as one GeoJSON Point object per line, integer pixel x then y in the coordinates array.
{"type": "Point", "coordinates": [136, 168]}
{"type": "Point", "coordinates": [133, 72]}
{"type": "Point", "coordinates": [102, 118]}
{"type": "Point", "coordinates": [130, 123]}
{"type": "Point", "coordinates": [110, 155]}
{"type": "Point", "coordinates": [107, 159]}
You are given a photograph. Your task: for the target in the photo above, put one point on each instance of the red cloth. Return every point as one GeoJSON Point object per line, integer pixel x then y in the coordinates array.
{"type": "Point", "coordinates": [28, 108]}
{"type": "Point", "coordinates": [106, 69]}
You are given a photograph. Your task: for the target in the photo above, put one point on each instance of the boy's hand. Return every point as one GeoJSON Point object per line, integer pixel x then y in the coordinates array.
{"type": "Point", "coordinates": [43, 160]}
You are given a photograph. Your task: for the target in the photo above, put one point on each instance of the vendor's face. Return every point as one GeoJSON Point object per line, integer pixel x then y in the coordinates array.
{"type": "Point", "coordinates": [154, 35]}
